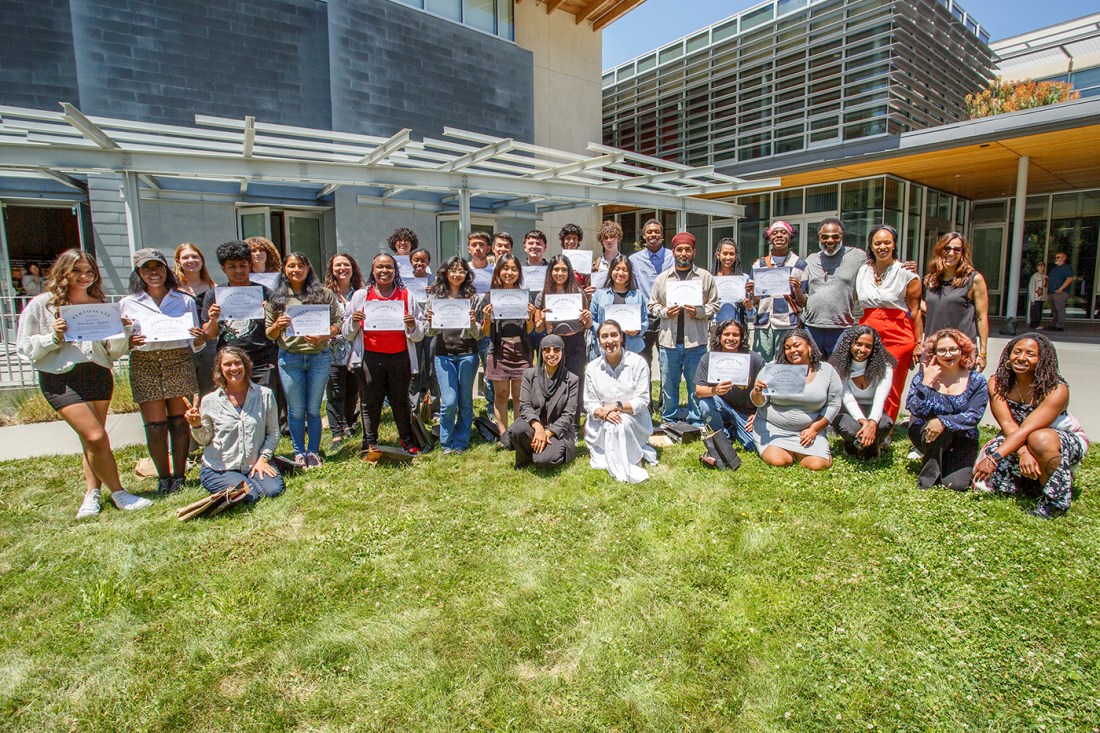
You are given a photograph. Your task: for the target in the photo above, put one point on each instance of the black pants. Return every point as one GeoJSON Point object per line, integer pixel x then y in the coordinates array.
{"type": "Point", "coordinates": [343, 399]}
{"type": "Point", "coordinates": [948, 460]}
{"type": "Point", "coordinates": [575, 359]}
{"type": "Point", "coordinates": [423, 382]}
{"type": "Point", "coordinates": [1035, 314]}
{"type": "Point", "coordinates": [847, 426]}
{"type": "Point", "coordinates": [649, 339]}
{"type": "Point", "coordinates": [558, 452]}
{"type": "Point", "coordinates": [386, 376]}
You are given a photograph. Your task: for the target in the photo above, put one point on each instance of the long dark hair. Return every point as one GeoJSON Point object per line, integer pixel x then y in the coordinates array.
{"type": "Point", "coordinates": [570, 286]}
{"type": "Point", "coordinates": [441, 288]}
{"type": "Point", "coordinates": [877, 362]}
{"type": "Point", "coordinates": [716, 336]}
{"type": "Point", "coordinates": [501, 261]}
{"type": "Point", "coordinates": [815, 353]}
{"type": "Point", "coordinates": [356, 273]}
{"type": "Point", "coordinates": [397, 281]}
{"type": "Point", "coordinates": [312, 289]}
{"type": "Point", "coordinates": [1046, 378]}
{"type": "Point", "coordinates": [137, 285]}
{"type": "Point", "coordinates": [631, 283]}
{"type": "Point", "coordinates": [736, 259]}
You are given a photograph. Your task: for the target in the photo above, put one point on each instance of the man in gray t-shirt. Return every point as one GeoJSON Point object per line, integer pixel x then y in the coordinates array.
{"type": "Point", "coordinates": [830, 296]}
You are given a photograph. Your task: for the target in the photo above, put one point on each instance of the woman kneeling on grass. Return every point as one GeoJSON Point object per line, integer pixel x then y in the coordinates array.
{"type": "Point", "coordinates": [543, 433]}
{"type": "Point", "coordinates": [867, 371]}
{"type": "Point", "coordinates": [238, 424]}
{"type": "Point", "coordinates": [1040, 444]}
{"type": "Point", "coordinates": [616, 398]}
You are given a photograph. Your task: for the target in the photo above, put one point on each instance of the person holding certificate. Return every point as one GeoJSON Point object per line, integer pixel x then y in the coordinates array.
{"type": "Point", "coordinates": [162, 372]}
{"type": "Point", "coordinates": [510, 353]}
{"type": "Point", "coordinates": [423, 381]}
{"type": "Point", "coordinates": [684, 298]}
{"type": "Point", "coordinates": [571, 237]}
{"type": "Point", "coordinates": [723, 381]}
{"type": "Point", "coordinates": [343, 278]}
{"type": "Point", "coordinates": [382, 353]}
{"type": "Point", "coordinates": [453, 325]}
{"type": "Point", "coordinates": [304, 356]}
{"type": "Point", "coordinates": [727, 263]}
{"type": "Point", "coordinates": [648, 263]}
{"type": "Point", "coordinates": [544, 431]}
{"type": "Point", "coordinates": [75, 374]}
{"type": "Point", "coordinates": [867, 370]}
{"type": "Point", "coordinates": [890, 296]}
{"type": "Point", "coordinates": [610, 236]}
{"type": "Point", "coordinates": [238, 425]}
{"type": "Point", "coordinates": [790, 428]}
{"type": "Point", "coordinates": [612, 301]}
{"type": "Point", "coordinates": [616, 399]}
{"type": "Point", "coordinates": [777, 309]}
{"type": "Point", "coordinates": [570, 325]}
{"type": "Point", "coordinates": [194, 279]}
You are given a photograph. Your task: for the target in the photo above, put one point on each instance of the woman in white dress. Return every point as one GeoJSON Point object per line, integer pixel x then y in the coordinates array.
{"type": "Point", "coordinates": [616, 398]}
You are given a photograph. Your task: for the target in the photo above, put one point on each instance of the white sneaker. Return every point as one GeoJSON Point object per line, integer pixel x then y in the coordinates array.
{"type": "Point", "coordinates": [90, 506]}
{"type": "Point", "coordinates": [914, 455]}
{"type": "Point", "coordinates": [128, 502]}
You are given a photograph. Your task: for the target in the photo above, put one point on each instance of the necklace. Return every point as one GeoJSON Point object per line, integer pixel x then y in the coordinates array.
{"type": "Point", "coordinates": [879, 278]}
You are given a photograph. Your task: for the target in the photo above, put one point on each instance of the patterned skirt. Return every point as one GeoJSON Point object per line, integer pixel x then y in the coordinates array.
{"type": "Point", "coordinates": [162, 375]}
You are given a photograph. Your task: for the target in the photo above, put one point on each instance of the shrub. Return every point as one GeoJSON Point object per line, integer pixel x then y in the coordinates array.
{"type": "Point", "coordinates": [1010, 96]}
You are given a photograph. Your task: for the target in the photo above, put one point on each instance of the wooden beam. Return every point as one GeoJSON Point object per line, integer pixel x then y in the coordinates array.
{"type": "Point", "coordinates": [552, 5]}
{"type": "Point", "coordinates": [589, 9]}
{"type": "Point", "coordinates": [614, 13]}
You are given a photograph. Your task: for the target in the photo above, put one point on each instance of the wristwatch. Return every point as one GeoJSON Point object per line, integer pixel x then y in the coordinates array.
{"type": "Point", "coordinates": [619, 404]}
{"type": "Point", "coordinates": [994, 456]}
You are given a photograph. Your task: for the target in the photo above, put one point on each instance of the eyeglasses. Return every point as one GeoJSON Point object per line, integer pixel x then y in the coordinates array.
{"type": "Point", "coordinates": [948, 351]}
{"type": "Point", "coordinates": [830, 236]}
{"type": "Point", "coordinates": [953, 248]}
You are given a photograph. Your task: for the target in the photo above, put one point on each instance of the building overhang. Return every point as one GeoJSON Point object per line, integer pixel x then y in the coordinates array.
{"type": "Point", "coordinates": [975, 159]}
{"type": "Point", "coordinates": [600, 13]}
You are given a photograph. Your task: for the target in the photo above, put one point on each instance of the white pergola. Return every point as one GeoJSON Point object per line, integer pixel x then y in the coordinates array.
{"type": "Point", "coordinates": [458, 171]}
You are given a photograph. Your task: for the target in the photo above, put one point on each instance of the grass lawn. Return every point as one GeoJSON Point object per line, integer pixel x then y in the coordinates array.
{"type": "Point", "coordinates": [460, 594]}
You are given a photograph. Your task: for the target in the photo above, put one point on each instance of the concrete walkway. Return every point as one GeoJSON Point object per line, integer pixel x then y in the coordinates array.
{"type": "Point", "coordinates": [57, 438]}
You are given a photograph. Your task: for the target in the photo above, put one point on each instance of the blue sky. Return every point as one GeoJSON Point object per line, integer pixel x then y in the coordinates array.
{"type": "Point", "coordinates": [656, 22]}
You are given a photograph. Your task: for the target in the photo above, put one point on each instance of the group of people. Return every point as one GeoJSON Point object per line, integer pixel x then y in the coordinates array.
{"type": "Point", "coordinates": [575, 344]}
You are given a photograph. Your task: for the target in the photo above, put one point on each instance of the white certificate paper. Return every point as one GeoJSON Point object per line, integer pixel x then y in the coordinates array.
{"type": "Point", "coordinates": [581, 259]}
{"type": "Point", "coordinates": [563, 307]}
{"type": "Point", "coordinates": [784, 379]}
{"type": "Point", "coordinates": [728, 367]}
{"type": "Point", "coordinates": [157, 328]}
{"type": "Point", "coordinates": [240, 304]}
{"type": "Point", "coordinates": [93, 322]}
{"type": "Point", "coordinates": [771, 281]}
{"type": "Point", "coordinates": [684, 292]}
{"type": "Point", "coordinates": [404, 265]}
{"type": "Point", "coordinates": [417, 287]}
{"type": "Point", "coordinates": [534, 277]}
{"type": "Point", "coordinates": [598, 279]}
{"type": "Point", "coordinates": [627, 315]}
{"type": "Point", "coordinates": [483, 279]}
{"type": "Point", "coordinates": [731, 288]}
{"type": "Point", "coordinates": [384, 315]}
{"type": "Point", "coordinates": [451, 313]}
{"type": "Point", "coordinates": [308, 320]}
{"type": "Point", "coordinates": [509, 304]}
{"type": "Point", "coordinates": [267, 279]}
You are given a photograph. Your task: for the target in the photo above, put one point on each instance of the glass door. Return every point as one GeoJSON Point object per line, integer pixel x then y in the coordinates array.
{"type": "Point", "coordinates": [805, 232]}
{"type": "Point", "coordinates": [303, 234]}
{"type": "Point", "coordinates": [988, 245]}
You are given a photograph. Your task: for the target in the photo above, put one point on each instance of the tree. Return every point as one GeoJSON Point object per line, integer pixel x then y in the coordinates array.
{"type": "Point", "coordinates": [1010, 96]}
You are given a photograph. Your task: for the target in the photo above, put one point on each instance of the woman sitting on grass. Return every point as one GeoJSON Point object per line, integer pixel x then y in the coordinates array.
{"type": "Point", "coordinates": [867, 370]}
{"type": "Point", "coordinates": [238, 423]}
{"type": "Point", "coordinates": [724, 406]}
{"type": "Point", "coordinates": [616, 398]}
{"type": "Point", "coordinates": [947, 399]}
{"type": "Point", "coordinates": [1040, 444]}
{"type": "Point", "coordinates": [543, 432]}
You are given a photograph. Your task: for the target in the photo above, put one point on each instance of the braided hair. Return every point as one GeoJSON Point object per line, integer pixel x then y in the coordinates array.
{"type": "Point", "coordinates": [1046, 377]}
{"type": "Point", "coordinates": [877, 362]}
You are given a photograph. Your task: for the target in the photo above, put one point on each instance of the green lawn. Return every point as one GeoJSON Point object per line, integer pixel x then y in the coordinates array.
{"type": "Point", "coordinates": [459, 594]}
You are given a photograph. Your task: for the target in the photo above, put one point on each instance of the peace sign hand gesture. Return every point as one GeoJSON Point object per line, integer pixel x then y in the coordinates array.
{"type": "Point", "coordinates": [192, 416]}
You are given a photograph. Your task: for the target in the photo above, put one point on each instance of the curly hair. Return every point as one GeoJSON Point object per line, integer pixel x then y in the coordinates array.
{"type": "Point", "coordinates": [204, 275]}
{"type": "Point", "coordinates": [716, 335]}
{"type": "Point", "coordinates": [1046, 377]}
{"type": "Point", "coordinates": [356, 273]}
{"type": "Point", "coordinates": [234, 249]}
{"type": "Point", "coordinates": [273, 263]}
{"type": "Point", "coordinates": [968, 353]}
{"type": "Point", "coordinates": [219, 378]}
{"type": "Point", "coordinates": [871, 238]}
{"type": "Point", "coordinates": [815, 353]}
{"type": "Point", "coordinates": [370, 281]}
{"type": "Point", "coordinates": [501, 261]}
{"type": "Point", "coordinates": [57, 279]}
{"type": "Point", "coordinates": [736, 256]}
{"type": "Point", "coordinates": [609, 229]}
{"type": "Point", "coordinates": [877, 362]}
{"type": "Point", "coordinates": [571, 229]}
{"type": "Point", "coordinates": [441, 288]}
{"type": "Point", "coordinates": [934, 278]}
{"type": "Point", "coordinates": [402, 233]}
{"type": "Point", "coordinates": [571, 285]}
{"type": "Point", "coordinates": [312, 289]}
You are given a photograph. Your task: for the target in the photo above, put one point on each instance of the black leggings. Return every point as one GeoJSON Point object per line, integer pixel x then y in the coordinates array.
{"type": "Point", "coordinates": [948, 460]}
{"type": "Point", "coordinates": [386, 376]}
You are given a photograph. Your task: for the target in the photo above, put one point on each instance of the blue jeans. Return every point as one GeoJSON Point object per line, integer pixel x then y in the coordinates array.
{"type": "Point", "coordinates": [826, 339]}
{"type": "Point", "coordinates": [718, 415]}
{"type": "Point", "coordinates": [455, 375]}
{"type": "Point", "coordinates": [305, 377]}
{"type": "Point", "coordinates": [483, 355]}
{"type": "Point", "coordinates": [679, 362]}
{"type": "Point", "coordinates": [258, 487]}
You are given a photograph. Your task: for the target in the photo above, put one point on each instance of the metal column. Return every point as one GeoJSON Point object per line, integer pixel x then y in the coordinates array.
{"type": "Point", "coordinates": [1016, 255]}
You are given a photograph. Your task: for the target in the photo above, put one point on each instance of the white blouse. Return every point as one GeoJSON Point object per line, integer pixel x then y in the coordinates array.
{"type": "Point", "coordinates": [890, 294]}
{"type": "Point", "coordinates": [872, 397]}
{"type": "Point", "coordinates": [175, 304]}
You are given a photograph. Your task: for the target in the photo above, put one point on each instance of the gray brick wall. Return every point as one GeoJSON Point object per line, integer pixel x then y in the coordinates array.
{"type": "Point", "coordinates": [37, 61]}
{"type": "Point", "coordinates": [112, 241]}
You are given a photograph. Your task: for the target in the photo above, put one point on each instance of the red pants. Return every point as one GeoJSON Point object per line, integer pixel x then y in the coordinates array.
{"type": "Point", "coordinates": [896, 331]}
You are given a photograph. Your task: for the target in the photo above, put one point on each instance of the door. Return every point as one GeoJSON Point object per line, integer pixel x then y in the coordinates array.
{"type": "Point", "coordinates": [988, 245]}
{"type": "Point", "coordinates": [805, 232]}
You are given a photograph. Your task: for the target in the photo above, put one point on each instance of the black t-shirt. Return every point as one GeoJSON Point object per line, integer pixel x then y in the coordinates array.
{"type": "Point", "coordinates": [738, 397]}
{"type": "Point", "coordinates": [246, 335]}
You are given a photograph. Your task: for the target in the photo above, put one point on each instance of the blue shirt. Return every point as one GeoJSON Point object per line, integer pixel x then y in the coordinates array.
{"type": "Point", "coordinates": [1058, 277]}
{"type": "Point", "coordinates": [648, 265]}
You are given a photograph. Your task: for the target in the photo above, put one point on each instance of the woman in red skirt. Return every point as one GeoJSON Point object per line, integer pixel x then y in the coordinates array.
{"type": "Point", "coordinates": [890, 297]}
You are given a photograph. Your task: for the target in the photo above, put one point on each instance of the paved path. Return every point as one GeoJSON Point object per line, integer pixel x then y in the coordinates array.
{"type": "Point", "coordinates": [57, 438]}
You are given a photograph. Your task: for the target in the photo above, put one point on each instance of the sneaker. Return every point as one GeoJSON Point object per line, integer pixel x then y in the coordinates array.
{"type": "Point", "coordinates": [337, 441]}
{"type": "Point", "coordinates": [1044, 510]}
{"type": "Point", "coordinates": [177, 484]}
{"type": "Point", "coordinates": [410, 448]}
{"type": "Point", "coordinates": [126, 501]}
{"type": "Point", "coordinates": [981, 486]}
{"type": "Point", "coordinates": [90, 506]}
{"type": "Point", "coordinates": [300, 460]}
{"type": "Point", "coordinates": [313, 460]}
{"type": "Point", "coordinates": [170, 485]}
{"type": "Point", "coordinates": [914, 455]}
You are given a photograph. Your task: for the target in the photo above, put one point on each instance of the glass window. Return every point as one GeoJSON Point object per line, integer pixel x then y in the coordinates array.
{"type": "Point", "coordinates": [862, 195]}
{"type": "Point", "coordinates": [821, 199]}
{"type": "Point", "coordinates": [757, 206]}
{"type": "Point", "coordinates": [757, 17]}
{"type": "Point", "coordinates": [788, 203]}
{"type": "Point", "coordinates": [724, 31]}
{"type": "Point", "coordinates": [649, 62]}
{"type": "Point", "coordinates": [506, 21]}
{"type": "Point", "coordinates": [697, 42]}
{"type": "Point", "coordinates": [786, 6]}
{"type": "Point", "coordinates": [672, 52]}
{"type": "Point", "coordinates": [893, 194]}
{"type": "Point", "coordinates": [450, 9]}
{"type": "Point", "coordinates": [414, 3]}
{"type": "Point", "coordinates": [481, 14]}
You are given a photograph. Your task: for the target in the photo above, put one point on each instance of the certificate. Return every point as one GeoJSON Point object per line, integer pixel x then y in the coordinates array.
{"type": "Point", "coordinates": [157, 328]}
{"type": "Point", "coordinates": [404, 265]}
{"type": "Point", "coordinates": [240, 304]}
{"type": "Point", "coordinates": [509, 304]}
{"type": "Point", "coordinates": [451, 313]}
{"type": "Point", "coordinates": [384, 315]}
{"type": "Point", "coordinates": [93, 322]}
{"type": "Point", "coordinates": [627, 315]}
{"type": "Point", "coordinates": [772, 281]}
{"type": "Point", "coordinates": [563, 307]}
{"type": "Point", "coordinates": [726, 367]}
{"type": "Point", "coordinates": [731, 288]}
{"type": "Point", "coordinates": [534, 277]}
{"type": "Point", "coordinates": [267, 279]}
{"type": "Point", "coordinates": [684, 292]}
{"type": "Point", "coordinates": [309, 320]}
{"type": "Point", "coordinates": [483, 279]}
{"type": "Point", "coordinates": [417, 287]}
{"type": "Point", "coordinates": [598, 279]}
{"type": "Point", "coordinates": [581, 259]}
{"type": "Point", "coordinates": [784, 379]}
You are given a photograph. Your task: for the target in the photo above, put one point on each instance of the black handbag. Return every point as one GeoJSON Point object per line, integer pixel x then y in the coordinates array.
{"type": "Point", "coordinates": [487, 429]}
{"type": "Point", "coordinates": [683, 432]}
{"type": "Point", "coordinates": [720, 452]}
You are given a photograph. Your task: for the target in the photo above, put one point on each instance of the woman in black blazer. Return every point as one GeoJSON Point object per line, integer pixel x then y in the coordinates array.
{"type": "Point", "coordinates": [545, 433]}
